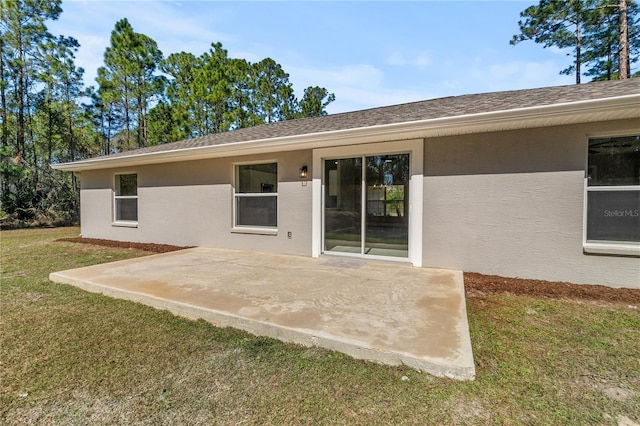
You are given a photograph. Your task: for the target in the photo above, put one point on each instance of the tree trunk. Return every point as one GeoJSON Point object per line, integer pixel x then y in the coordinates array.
{"type": "Point", "coordinates": [72, 139]}
{"type": "Point", "coordinates": [610, 58]}
{"type": "Point", "coordinates": [625, 71]}
{"type": "Point", "coordinates": [29, 129]}
{"type": "Point", "coordinates": [20, 88]}
{"type": "Point", "coordinates": [3, 97]}
{"type": "Point", "coordinates": [578, 50]}
{"type": "Point", "coordinates": [145, 132]}
{"type": "Point", "coordinates": [76, 195]}
{"type": "Point", "coordinates": [107, 147]}
{"type": "Point", "coordinates": [141, 143]}
{"type": "Point", "coordinates": [126, 113]}
{"type": "Point", "coordinates": [105, 122]}
{"type": "Point", "coordinates": [49, 132]}
{"type": "Point", "coordinates": [142, 109]}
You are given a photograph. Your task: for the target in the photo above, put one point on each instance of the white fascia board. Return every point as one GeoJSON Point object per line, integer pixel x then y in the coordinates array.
{"type": "Point", "coordinates": [614, 108]}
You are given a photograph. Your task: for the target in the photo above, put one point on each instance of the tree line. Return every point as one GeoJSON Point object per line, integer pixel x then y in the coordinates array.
{"type": "Point", "coordinates": [603, 35]}
{"type": "Point", "coordinates": [142, 98]}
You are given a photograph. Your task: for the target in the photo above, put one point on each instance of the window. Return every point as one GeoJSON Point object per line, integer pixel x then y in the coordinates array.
{"type": "Point", "coordinates": [256, 195]}
{"type": "Point", "coordinates": [126, 198]}
{"type": "Point", "coordinates": [613, 193]}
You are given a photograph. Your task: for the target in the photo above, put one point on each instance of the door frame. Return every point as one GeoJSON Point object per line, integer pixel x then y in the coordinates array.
{"type": "Point", "coordinates": [415, 148]}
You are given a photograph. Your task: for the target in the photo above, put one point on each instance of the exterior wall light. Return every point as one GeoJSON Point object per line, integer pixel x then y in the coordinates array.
{"type": "Point", "coordinates": [303, 172]}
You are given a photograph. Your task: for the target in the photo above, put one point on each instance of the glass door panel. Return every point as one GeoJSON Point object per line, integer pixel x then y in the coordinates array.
{"type": "Point", "coordinates": [343, 205]}
{"type": "Point", "coordinates": [387, 205]}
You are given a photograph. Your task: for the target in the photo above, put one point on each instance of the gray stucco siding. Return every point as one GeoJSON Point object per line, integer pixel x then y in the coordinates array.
{"type": "Point", "coordinates": [512, 204]}
{"type": "Point", "coordinates": [191, 203]}
{"type": "Point", "coordinates": [508, 203]}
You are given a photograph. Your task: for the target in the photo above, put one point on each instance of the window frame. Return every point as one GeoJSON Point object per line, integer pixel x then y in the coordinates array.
{"type": "Point", "coordinates": [253, 229]}
{"type": "Point", "coordinates": [115, 198]}
{"type": "Point", "coordinates": [620, 248]}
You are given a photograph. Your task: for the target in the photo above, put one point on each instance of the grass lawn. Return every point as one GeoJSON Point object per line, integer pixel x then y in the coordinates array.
{"type": "Point", "coordinates": [72, 357]}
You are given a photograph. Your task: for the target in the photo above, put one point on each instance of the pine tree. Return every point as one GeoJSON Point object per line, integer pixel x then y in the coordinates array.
{"type": "Point", "coordinates": [603, 34]}
{"type": "Point", "coordinates": [624, 61]}
{"type": "Point", "coordinates": [213, 93]}
{"type": "Point", "coordinates": [315, 101]}
{"type": "Point", "coordinates": [555, 23]}
{"type": "Point", "coordinates": [23, 34]}
{"type": "Point", "coordinates": [273, 95]}
{"type": "Point", "coordinates": [128, 80]}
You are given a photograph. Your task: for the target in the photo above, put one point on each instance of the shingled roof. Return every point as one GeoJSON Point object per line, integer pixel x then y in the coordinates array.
{"type": "Point", "coordinates": [440, 108]}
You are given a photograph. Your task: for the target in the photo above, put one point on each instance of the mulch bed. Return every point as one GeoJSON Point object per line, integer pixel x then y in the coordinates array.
{"type": "Point", "coordinates": [475, 284]}
{"type": "Point", "coordinates": [153, 248]}
{"type": "Point", "coordinates": [478, 285]}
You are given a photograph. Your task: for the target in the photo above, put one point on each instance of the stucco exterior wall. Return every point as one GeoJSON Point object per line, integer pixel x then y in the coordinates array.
{"type": "Point", "coordinates": [511, 204]}
{"type": "Point", "coordinates": [190, 203]}
{"type": "Point", "coordinates": [506, 203]}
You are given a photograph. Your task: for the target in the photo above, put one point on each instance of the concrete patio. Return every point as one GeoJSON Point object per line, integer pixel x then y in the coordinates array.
{"type": "Point", "coordinates": [388, 312]}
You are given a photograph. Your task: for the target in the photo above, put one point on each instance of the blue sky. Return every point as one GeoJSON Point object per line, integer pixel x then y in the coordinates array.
{"type": "Point", "coordinates": [369, 54]}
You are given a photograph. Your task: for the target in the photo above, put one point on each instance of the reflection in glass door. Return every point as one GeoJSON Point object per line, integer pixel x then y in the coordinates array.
{"type": "Point", "coordinates": [377, 227]}
{"type": "Point", "coordinates": [343, 205]}
{"type": "Point", "coordinates": [387, 228]}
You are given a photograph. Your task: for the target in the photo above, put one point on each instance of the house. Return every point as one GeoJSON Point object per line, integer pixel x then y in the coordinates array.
{"type": "Point", "coordinates": [540, 183]}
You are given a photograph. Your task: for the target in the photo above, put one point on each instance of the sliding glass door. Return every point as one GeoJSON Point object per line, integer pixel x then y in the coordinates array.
{"type": "Point", "coordinates": [343, 205]}
{"type": "Point", "coordinates": [387, 227]}
{"type": "Point", "coordinates": [366, 205]}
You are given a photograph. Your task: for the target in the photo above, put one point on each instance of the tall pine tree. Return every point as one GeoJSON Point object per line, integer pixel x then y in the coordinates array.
{"type": "Point", "coordinates": [128, 81]}
{"type": "Point", "coordinates": [603, 34]}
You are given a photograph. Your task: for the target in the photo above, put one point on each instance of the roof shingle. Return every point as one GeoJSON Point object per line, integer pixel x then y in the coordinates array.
{"type": "Point", "coordinates": [415, 111]}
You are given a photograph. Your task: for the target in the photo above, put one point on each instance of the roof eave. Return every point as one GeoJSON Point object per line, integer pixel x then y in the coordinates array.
{"type": "Point", "coordinates": [620, 107]}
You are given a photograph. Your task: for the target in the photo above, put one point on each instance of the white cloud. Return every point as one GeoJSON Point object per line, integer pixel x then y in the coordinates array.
{"type": "Point", "coordinates": [364, 86]}
{"type": "Point", "coordinates": [490, 70]}
{"type": "Point", "coordinates": [353, 99]}
{"type": "Point", "coordinates": [90, 56]}
{"type": "Point", "coordinates": [356, 86]}
{"type": "Point", "coordinates": [453, 86]}
{"type": "Point", "coordinates": [518, 74]}
{"type": "Point", "coordinates": [358, 75]}
{"type": "Point", "coordinates": [420, 60]}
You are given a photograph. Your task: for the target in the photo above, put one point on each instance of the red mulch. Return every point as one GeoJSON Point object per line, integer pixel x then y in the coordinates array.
{"type": "Point", "coordinates": [153, 248]}
{"type": "Point", "coordinates": [478, 285]}
{"type": "Point", "coordinates": [475, 284]}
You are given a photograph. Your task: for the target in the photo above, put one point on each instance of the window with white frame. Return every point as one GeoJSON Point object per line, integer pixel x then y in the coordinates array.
{"type": "Point", "coordinates": [613, 191]}
{"type": "Point", "coordinates": [256, 195]}
{"type": "Point", "coordinates": [125, 197]}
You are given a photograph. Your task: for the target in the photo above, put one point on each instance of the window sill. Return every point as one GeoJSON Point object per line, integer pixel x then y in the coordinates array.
{"type": "Point", "coordinates": [616, 249]}
{"type": "Point", "coordinates": [125, 224]}
{"type": "Point", "coordinates": [255, 231]}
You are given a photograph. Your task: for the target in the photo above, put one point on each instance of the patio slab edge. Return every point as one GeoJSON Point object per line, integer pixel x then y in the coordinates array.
{"type": "Point", "coordinates": [305, 337]}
